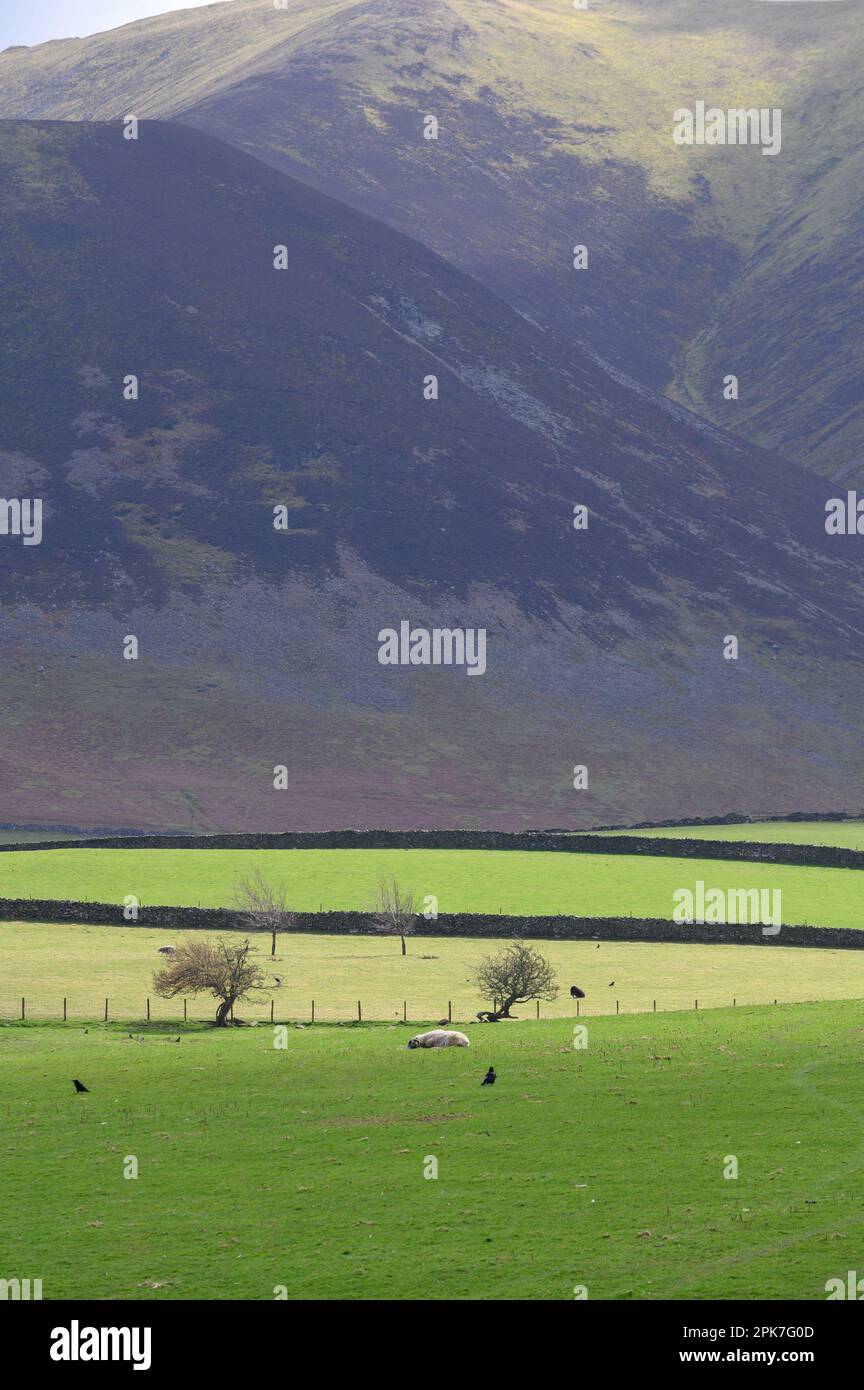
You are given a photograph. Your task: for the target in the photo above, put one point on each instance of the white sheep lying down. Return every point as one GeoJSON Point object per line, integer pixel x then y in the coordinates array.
{"type": "Point", "coordinates": [439, 1037]}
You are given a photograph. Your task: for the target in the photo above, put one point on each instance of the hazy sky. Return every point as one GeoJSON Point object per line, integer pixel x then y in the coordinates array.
{"type": "Point", "coordinates": [36, 21]}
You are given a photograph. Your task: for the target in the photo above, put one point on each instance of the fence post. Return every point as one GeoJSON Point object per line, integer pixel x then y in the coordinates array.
{"type": "Point", "coordinates": [313, 1010]}
{"type": "Point", "coordinates": [696, 1003]}
{"type": "Point", "coordinates": [64, 1008]}
{"type": "Point", "coordinates": [616, 1006]}
{"type": "Point", "coordinates": [733, 1003]}
{"type": "Point", "coordinates": [449, 1010]}
{"type": "Point", "coordinates": [23, 1010]}
{"type": "Point", "coordinates": [404, 1011]}
{"type": "Point", "coordinates": [655, 1006]}
{"type": "Point", "coordinates": [184, 1010]}
{"type": "Point", "coordinates": [106, 1010]}
{"type": "Point", "coordinates": [271, 1010]}
{"type": "Point", "coordinates": [148, 1010]}
{"type": "Point", "coordinates": [577, 1008]}
{"type": "Point", "coordinates": [359, 1012]}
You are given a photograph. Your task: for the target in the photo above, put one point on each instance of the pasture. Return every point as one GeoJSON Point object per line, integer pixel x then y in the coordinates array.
{"type": "Point", "coordinates": [86, 964]}
{"type": "Point", "coordinates": [303, 1169]}
{"type": "Point", "coordinates": [484, 881]}
{"type": "Point", "coordinates": [841, 834]}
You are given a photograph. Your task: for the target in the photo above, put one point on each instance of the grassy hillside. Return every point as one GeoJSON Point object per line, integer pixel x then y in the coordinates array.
{"type": "Point", "coordinates": [303, 1168]}
{"type": "Point", "coordinates": [527, 883]}
{"type": "Point", "coordinates": [22, 837]}
{"type": "Point", "coordinates": [85, 965]}
{"type": "Point", "coordinates": [555, 129]}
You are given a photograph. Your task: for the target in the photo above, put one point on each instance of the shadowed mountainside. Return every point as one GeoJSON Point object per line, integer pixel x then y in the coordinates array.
{"type": "Point", "coordinates": [304, 388]}
{"type": "Point", "coordinates": [555, 130]}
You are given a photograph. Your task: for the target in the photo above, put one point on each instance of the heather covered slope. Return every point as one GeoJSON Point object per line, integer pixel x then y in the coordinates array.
{"type": "Point", "coordinates": [555, 130]}
{"type": "Point", "coordinates": [304, 387]}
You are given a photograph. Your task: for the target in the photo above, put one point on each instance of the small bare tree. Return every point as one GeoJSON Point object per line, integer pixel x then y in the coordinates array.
{"type": "Point", "coordinates": [516, 974]}
{"type": "Point", "coordinates": [221, 967]}
{"type": "Point", "coordinates": [393, 912]}
{"type": "Point", "coordinates": [264, 906]}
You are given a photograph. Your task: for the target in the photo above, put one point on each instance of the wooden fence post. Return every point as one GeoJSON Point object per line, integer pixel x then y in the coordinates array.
{"type": "Point", "coordinates": [148, 1010]}
{"type": "Point", "coordinates": [106, 1010]}
{"type": "Point", "coordinates": [313, 1010]}
{"type": "Point", "coordinates": [184, 1009]}
{"type": "Point", "coordinates": [404, 1011]}
{"type": "Point", "coordinates": [449, 1010]}
{"type": "Point", "coordinates": [359, 1012]}
{"type": "Point", "coordinates": [696, 1003]}
{"type": "Point", "coordinates": [271, 1010]}
{"type": "Point", "coordinates": [538, 1008]}
{"type": "Point", "coordinates": [23, 1009]}
{"type": "Point", "coordinates": [64, 1008]}
{"type": "Point", "coordinates": [617, 1010]}
{"type": "Point", "coordinates": [655, 1006]}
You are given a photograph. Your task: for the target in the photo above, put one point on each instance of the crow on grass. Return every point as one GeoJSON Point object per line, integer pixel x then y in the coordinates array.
{"type": "Point", "coordinates": [80, 1088]}
{"type": "Point", "coordinates": [490, 1078]}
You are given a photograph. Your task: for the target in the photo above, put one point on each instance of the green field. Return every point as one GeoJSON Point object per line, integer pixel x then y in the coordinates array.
{"type": "Point", "coordinates": [844, 834]}
{"type": "Point", "coordinates": [520, 883]}
{"type": "Point", "coordinates": [303, 1167]}
{"type": "Point", "coordinates": [87, 964]}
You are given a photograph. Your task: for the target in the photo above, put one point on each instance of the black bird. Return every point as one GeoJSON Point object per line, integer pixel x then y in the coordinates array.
{"type": "Point", "coordinates": [576, 992]}
{"type": "Point", "coordinates": [277, 979]}
{"type": "Point", "coordinates": [611, 983]}
{"type": "Point", "coordinates": [490, 1078]}
{"type": "Point", "coordinates": [80, 1088]}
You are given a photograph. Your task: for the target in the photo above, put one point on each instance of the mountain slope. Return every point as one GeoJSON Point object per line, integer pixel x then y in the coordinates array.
{"type": "Point", "coordinates": [304, 388]}
{"type": "Point", "coordinates": [555, 130]}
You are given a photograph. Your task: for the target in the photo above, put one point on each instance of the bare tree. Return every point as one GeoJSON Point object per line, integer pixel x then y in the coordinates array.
{"type": "Point", "coordinates": [516, 974]}
{"type": "Point", "coordinates": [394, 911]}
{"type": "Point", "coordinates": [222, 968]}
{"type": "Point", "coordinates": [264, 906]}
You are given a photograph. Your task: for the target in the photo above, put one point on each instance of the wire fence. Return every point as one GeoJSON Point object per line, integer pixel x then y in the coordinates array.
{"type": "Point", "coordinates": [39, 1008]}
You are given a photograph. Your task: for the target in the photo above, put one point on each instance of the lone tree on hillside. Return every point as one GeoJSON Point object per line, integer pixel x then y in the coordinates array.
{"type": "Point", "coordinates": [221, 967]}
{"type": "Point", "coordinates": [515, 975]}
{"type": "Point", "coordinates": [264, 906]}
{"type": "Point", "coordinates": [394, 912]}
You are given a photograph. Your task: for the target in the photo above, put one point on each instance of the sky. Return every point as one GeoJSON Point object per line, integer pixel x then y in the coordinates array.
{"type": "Point", "coordinates": [36, 21]}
